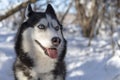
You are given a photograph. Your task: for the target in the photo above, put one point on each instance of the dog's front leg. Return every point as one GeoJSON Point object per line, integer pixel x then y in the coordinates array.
{"type": "Point", "coordinates": [21, 76]}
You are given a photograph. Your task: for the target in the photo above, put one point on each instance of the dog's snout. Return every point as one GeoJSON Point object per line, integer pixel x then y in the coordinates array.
{"type": "Point", "coordinates": [56, 41]}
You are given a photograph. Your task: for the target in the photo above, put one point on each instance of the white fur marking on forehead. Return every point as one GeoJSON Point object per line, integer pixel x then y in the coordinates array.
{"type": "Point", "coordinates": [51, 20]}
{"type": "Point", "coordinates": [44, 21]}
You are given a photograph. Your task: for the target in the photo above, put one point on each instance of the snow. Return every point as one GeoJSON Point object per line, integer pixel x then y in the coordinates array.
{"type": "Point", "coordinates": [7, 57]}
{"type": "Point", "coordinates": [95, 62]}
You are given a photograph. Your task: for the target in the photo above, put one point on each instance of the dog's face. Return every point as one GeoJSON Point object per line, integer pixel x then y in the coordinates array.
{"type": "Point", "coordinates": [45, 32]}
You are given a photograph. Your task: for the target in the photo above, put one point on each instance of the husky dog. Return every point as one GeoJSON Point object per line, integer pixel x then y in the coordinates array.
{"type": "Point", "coordinates": [40, 47]}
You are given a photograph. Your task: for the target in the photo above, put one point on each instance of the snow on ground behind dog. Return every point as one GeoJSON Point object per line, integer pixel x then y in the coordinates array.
{"type": "Point", "coordinates": [96, 62]}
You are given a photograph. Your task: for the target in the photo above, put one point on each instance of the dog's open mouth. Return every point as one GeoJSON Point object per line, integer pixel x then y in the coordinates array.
{"type": "Point", "coordinates": [51, 52]}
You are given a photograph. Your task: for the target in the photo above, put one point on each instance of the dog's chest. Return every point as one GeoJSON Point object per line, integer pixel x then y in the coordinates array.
{"type": "Point", "coordinates": [44, 65]}
{"type": "Point", "coordinates": [43, 69]}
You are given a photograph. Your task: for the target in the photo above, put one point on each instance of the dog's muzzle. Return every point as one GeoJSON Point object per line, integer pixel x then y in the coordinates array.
{"type": "Point", "coordinates": [51, 52]}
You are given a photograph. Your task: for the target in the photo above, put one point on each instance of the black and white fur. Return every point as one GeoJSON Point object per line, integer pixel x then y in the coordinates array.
{"type": "Point", "coordinates": [31, 62]}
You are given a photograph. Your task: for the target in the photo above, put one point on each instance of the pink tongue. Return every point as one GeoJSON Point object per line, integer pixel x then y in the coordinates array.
{"type": "Point", "coordinates": [52, 52]}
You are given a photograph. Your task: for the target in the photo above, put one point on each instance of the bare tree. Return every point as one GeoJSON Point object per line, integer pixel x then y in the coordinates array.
{"type": "Point", "coordinates": [99, 12]}
{"type": "Point", "coordinates": [17, 8]}
{"type": "Point", "coordinates": [87, 17]}
{"type": "Point", "coordinates": [66, 12]}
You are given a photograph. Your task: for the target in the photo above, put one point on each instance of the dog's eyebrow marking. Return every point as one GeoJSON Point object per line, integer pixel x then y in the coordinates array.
{"type": "Point", "coordinates": [43, 21]}
{"type": "Point", "coordinates": [51, 22]}
{"type": "Point", "coordinates": [54, 22]}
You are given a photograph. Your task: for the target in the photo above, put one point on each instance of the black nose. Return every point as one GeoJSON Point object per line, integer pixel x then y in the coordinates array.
{"type": "Point", "coordinates": [56, 41]}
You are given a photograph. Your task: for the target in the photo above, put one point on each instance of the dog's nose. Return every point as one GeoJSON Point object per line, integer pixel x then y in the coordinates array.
{"type": "Point", "coordinates": [56, 41]}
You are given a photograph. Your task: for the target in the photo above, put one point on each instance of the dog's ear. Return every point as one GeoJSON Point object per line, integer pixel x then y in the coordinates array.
{"type": "Point", "coordinates": [28, 11]}
{"type": "Point", "coordinates": [50, 10]}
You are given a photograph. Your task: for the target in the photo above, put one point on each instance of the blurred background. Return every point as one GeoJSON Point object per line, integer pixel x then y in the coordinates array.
{"type": "Point", "coordinates": [91, 27]}
{"type": "Point", "coordinates": [90, 15]}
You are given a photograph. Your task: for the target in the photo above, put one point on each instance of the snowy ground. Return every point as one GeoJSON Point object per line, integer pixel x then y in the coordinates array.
{"type": "Point", "coordinates": [95, 62]}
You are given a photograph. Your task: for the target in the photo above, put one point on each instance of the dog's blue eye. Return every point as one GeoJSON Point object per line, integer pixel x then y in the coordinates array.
{"type": "Point", "coordinates": [41, 26]}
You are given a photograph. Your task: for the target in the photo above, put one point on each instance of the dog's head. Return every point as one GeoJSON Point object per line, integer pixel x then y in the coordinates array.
{"type": "Point", "coordinates": [43, 32]}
